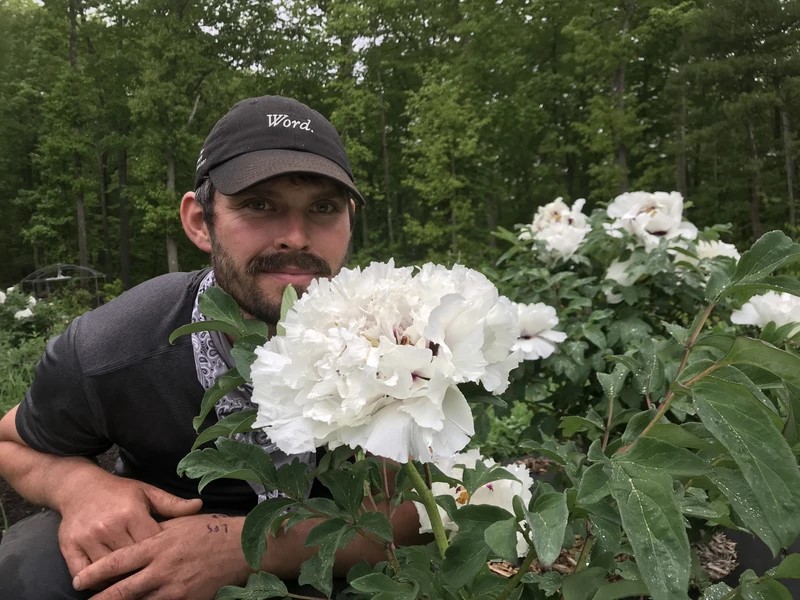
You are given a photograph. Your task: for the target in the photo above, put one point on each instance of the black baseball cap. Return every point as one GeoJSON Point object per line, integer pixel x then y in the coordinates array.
{"type": "Point", "coordinates": [261, 138]}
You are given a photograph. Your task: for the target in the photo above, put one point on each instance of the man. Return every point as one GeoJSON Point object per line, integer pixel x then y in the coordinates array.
{"type": "Point", "coordinates": [273, 205]}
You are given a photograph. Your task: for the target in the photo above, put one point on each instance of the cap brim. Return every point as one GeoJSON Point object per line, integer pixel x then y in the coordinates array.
{"type": "Point", "coordinates": [246, 170]}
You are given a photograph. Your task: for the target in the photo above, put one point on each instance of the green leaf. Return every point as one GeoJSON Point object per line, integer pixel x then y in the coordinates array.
{"type": "Point", "coordinates": [327, 528]}
{"type": "Point", "coordinates": [717, 591]}
{"type": "Point", "coordinates": [593, 486]}
{"type": "Point", "coordinates": [346, 487]}
{"type": "Point", "coordinates": [612, 382]}
{"type": "Point", "coordinates": [464, 558]}
{"type": "Point", "coordinates": [749, 351]}
{"type": "Point", "coordinates": [219, 306]}
{"type": "Point", "coordinates": [257, 523]}
{"type": "Point", "coordinates": [287, 302]}
{"type": "Point", "coordinates": [621, 589]}
{"type": "Point", "coordinates": [238, 422]}
{"type": "Point", "coordinates": [742, 424]}
{"type": "Point", "coordinates": [653, 522]}
{"type": "Point", "coordinates": [189, 328]}
{"type": "Point", "coordinates": [572, 424]}
{"type": "Point", "coordinates": [383, 587]}
{"type": "Point", "coordinates": [227, 382]}
{"type": "Point", "coordinates": [583, 584]}
{"type": "Point", "coordinates": [231, 460]}
{"type": "Point", "coordinates": [481, 475]}
{"type": "Point", "coordinates": [770, 252]}
{"type": "Point", "coordinates": [244, 355]}
{"type": "Point", "coordinates": [259, 587]}
{"type": "Point", "coordinates": [377, 524]}
{"type": "Point", "coordinates": [663, 456]}
{"type": "Point", "coordinates": [743, 500]}
{"type": "Point", "coordinates": [764, 589]}
{"type": "Point", "coordinates": [317, 571]}
{"type": "Point", "coordinates": [789, 568]}
{"type": "Point", "coordinates": [501, 537]}
{"type": "Point", "coordinates": [548, 522]}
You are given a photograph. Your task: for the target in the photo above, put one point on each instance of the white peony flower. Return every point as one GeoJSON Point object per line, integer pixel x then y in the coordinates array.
{"type": "Point", "coordinates": [25, 313]}
{"type": "Point", "coordinates": [537, 338]}
{"type": "Point", "coordinates": [706, 250]}
{"type": "Point", "coordinates": [772, 307]}
{"type": "Point", "coordinates": [371, 358]}
{"type": "Point", "coordinates": [2, 297]}
{"type": "Point", "coordinates": [497, 493]}
{"type": "Point", "coordinates": [650, 217]}
{"type": "Point", "coordinates": [31, 301]}
{"type": "Point", "coordinates": [561, 228]}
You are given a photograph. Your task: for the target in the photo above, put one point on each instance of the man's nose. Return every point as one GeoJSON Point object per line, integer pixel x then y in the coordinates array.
{"type": "Point", "coordinates": [293, 234]}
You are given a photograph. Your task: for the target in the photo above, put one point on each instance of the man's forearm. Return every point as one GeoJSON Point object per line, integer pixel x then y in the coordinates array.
{"type": "Point", "coordinates": [38, 477]}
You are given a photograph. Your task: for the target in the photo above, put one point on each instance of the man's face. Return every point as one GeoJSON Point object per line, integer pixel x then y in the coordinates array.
{"type": "Point", "coordinates": [279, 232]}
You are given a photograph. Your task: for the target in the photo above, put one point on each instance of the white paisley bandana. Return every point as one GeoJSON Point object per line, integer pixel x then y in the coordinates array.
{"type": "Point", "coordinates": [210, 365]}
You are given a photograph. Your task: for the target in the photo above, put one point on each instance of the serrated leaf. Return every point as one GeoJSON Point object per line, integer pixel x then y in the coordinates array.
{"type": "Point", "coordinates": [257, 523]}
{"type": "Point", "coordinates": [742, 424]}
{"type": "Point", "coordinates": [501, 537]}
{"type": "Point", "coordinates": [238, 422]}
{"type": "Point", "coordinates": [227, 382]}
{"type": "Point", "coordinates": [653, 523]}
{"type": "Point", "coordinates": [548, 522]}
{"type": "Point", "coordinates": [260, 586]}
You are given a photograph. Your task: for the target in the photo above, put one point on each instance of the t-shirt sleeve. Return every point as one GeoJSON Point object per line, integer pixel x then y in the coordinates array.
{"type": "Point", "coordinates": [59, 414]}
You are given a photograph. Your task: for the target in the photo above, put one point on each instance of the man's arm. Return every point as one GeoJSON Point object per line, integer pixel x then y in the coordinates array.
{"type": "Point", "coordinates": [100, 511]}
{"type": "Point", "coordinates": [194, 556]}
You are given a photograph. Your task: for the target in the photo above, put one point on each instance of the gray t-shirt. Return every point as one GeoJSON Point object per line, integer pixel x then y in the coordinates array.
{"type": "Point", "coordinates": [113, 377]}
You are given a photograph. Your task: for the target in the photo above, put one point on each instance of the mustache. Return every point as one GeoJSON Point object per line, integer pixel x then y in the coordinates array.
{"type": "Point", "coordinates": [277, 261]}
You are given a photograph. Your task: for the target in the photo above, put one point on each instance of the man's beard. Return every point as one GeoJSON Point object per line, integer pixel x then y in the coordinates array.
{"type": "Point", "coordinates": [243, 286]}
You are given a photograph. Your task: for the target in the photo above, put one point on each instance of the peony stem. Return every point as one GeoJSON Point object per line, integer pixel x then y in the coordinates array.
{"type": "Point", "coordinates": [429, 502]}
{"type": "Point", "coordinates": [514, 581]}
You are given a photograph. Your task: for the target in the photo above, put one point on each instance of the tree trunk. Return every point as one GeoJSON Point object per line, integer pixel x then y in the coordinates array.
{"type": "Point", "coordinates": [172, 246]}
{"type": "Point", "coordinates": [755, 182]}
{"type": "Point", "coordinates": [387, 188]}
{"type": "Point", "coordinates": [80, 206]}
{"type": "Point", "coordinates": [102, 167]}
{"type": "Point", "coordinates": [124, 222]}
{"type": "Point", "coordinates": [680, 155]}
{"type": "Point", "coordinates": [788, 156]}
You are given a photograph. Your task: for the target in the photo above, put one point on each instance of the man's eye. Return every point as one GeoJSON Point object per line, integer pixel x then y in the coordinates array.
{"type": "Point", "coordinates": [257, 205]}
{"type": "Point", "coordinates": [325, 207]}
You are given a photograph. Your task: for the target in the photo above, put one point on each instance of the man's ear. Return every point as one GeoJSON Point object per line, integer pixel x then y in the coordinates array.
{"type": "Point", "coordinates": [193, 223]}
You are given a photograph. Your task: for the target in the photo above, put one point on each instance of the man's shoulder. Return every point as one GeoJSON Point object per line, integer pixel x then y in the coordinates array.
{"type": "Point", "coordinates": [138, 322]}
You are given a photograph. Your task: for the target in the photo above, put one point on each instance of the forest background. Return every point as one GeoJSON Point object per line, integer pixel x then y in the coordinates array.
{"type": "Point", "coordinates": [459, 115]}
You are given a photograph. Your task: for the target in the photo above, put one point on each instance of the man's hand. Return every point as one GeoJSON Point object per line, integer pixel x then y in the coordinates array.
{"type": "Point", "coordinates": [190, 557]}
{"type": "Point", "coordinates": [102, 513]}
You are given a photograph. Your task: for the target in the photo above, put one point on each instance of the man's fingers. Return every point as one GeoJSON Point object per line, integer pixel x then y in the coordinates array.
{"type": "Point", "coordinates": [110, 567]}
{"type": "Point", "coordinates": [141, 529]}
{"type": "Point", "coordinates": [76, 559]}
{"type": "Point", "coordinates": [167, 505]}
{"type": "Point", "coordinates": [134, 587]}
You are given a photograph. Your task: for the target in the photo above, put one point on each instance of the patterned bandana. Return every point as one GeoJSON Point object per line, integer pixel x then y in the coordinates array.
{"type": "Point", "coordinates": [210, 365]}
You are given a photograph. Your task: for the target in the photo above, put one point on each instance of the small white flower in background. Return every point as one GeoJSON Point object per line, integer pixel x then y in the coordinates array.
{"type": "Point", "coordinates": [706, 250]}
{"type": "Point", "coordinates": [2, 298]}
{"type": "Point", "coordinates": [772, 307]}
{"type": "Point", "coordinates": [620, 272]}
{"type": "Point", "coordinates": [31, 301]}
{"type": "Point", "coordinates": [560, 227]}
{"type": "Point", "coordinates": [11, 289]}
{"type": "Point", "coordinates": [23, 314]}
{"type": "Point", "coordinates": [497, 493]}
{"type": "Point", "coordinates": [537, 338]}
{"type": "Point", "coordinates": [371, 359]}
{"type": "Point", "coordinates": [649, 217]}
